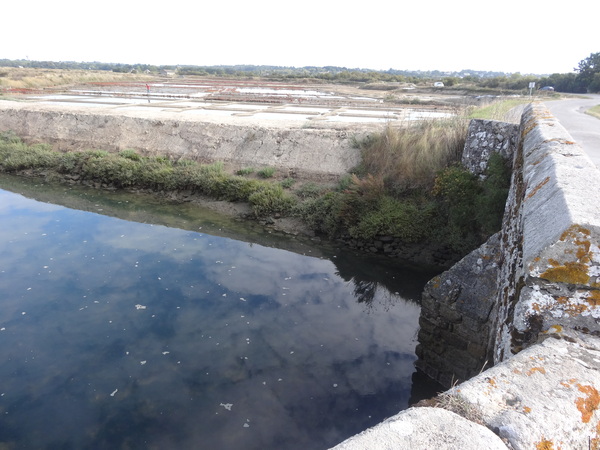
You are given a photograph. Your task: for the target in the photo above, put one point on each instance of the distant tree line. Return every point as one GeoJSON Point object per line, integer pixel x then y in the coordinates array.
{"type": "Point", "coordinates": [586, 78]}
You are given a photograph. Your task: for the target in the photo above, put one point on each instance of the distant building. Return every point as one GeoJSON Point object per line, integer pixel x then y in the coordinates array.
{"type": "Point", "coordinates": [167, 73]}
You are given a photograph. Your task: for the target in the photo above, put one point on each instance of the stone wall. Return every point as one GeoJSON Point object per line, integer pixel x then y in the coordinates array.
{"type": "Point", "coordinates": [455, 312]}
{"type": "Point", "coordinates": [486, 137]}
{"type": "Point", "coordinates": [538, 284]}
{"type": "Point", "coordinates": [551, 239]}
{"type": "Point", "coordinates": [421, 253]}
{"type": "Point", "coordinates": [455, 325]}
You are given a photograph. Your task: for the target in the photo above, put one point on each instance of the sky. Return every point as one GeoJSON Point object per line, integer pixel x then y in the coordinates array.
{"type": "Point", "coordinates": [526, 36]}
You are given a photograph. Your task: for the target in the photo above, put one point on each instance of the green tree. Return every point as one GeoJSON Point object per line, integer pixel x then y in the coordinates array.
{"type": "Point", "coordinates": [588, 69]}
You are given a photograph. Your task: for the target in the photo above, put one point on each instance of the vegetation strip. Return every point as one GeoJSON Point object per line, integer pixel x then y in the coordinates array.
{"type": "Point", "coordinates": [409, 186]}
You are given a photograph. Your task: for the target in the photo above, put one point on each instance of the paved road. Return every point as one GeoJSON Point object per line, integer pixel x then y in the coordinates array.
{"type": "Point", "coordinates": [584, 129]}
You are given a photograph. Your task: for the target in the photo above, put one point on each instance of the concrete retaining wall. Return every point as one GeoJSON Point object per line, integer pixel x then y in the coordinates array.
{"type": "Point", "coordinates": [544, 313]}
{"type": "Point", "coordinates": [320, 153]}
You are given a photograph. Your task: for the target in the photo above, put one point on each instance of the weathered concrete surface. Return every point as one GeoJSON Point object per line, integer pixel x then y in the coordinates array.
{"type": "Point", "coordinates": [545, 397]}
{"type": "Point", "coordinates": [486, 137]}
{"type": "Point", "coordinates": [551, 238]}
{"type": "Point", "coordinates": [322, 153]}
{"type": "Point", "coordinates": [425, 428]}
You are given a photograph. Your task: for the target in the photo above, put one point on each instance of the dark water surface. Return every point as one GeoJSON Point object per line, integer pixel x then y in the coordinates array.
{"type": "Point", "coordinates": [189, 331]}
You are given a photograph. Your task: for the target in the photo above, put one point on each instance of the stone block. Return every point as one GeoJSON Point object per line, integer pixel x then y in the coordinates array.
{"type": "Point", "coordinates": [547, 396]}
{"type": "Point", "coordinates": [424, 428]}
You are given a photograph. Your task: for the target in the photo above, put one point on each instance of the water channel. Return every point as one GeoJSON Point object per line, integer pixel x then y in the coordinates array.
{"type": "Point", "coordinates": [131, 322]}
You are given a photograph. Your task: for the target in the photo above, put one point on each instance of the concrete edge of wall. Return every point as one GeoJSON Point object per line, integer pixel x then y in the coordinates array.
{"type": "Point", "coordinates": [557, 283]}
{"type": "Point", "coordinates": [562, 191]}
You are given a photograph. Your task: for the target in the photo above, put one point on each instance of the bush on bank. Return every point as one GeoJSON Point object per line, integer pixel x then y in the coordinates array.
{"type": "Point", "coordinates": [130, 170]}
{"type": "Point", "coordinates": [443, 204]}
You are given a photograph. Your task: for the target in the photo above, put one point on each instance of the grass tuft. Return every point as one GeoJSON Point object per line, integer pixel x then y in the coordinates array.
{"type": "Point", "coordinates": [266, 172]}
{"type": "Point", "coordinates": [409, 158]}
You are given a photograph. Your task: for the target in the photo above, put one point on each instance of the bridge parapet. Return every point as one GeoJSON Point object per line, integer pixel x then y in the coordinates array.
{"type": "Point", "coordinates": [556, 257]}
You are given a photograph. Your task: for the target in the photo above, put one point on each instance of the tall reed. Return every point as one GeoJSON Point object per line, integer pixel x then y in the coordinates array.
{"type": "Point", "coordinates": [410, 157]}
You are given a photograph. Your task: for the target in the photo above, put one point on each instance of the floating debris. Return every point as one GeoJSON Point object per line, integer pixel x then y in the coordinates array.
{"type": "Point", "coordinates": [140, 307]}
{"type": "Point", "coordinates": [114, 392]}
{"type": "Point", "coordinates": [227, 406]}
{"type": "Point", "coordinates": [143, 362]}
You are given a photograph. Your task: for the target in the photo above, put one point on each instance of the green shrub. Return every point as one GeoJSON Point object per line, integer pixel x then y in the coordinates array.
{"type": "Point", "coordinates": [185, 163]}
{"type": "Point", "coordinates": [214, 168]}
{"type": "Point", "coordinates": [392, 217]}
{"type": "Point", "coordinates": [130, 154]}
{"type": "Point", "coordinates": [492, 199]}
{"type": "Point", "coordinates": [269, 200]}
{"type": "Point", "coordinates": [245, 171]}
{"type": "Point", "coordinates": [266, 172]}
{"type": "Point", "coordinates": [287, 182]}
{"type": "Point", "coordinates": [322, 213]}
{"type": "Point", "coordinates": [309, 190]}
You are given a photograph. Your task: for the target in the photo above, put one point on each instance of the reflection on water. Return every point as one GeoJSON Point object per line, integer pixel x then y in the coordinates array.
{"type": "Point", "coordinates": [121, 334]}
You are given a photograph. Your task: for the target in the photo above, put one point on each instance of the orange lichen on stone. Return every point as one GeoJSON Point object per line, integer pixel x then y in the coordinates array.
{"type": "Point", "coordinates": [595, 441]}
{"type": "Point", "coordinates": [572, 309]}
{"type": "Point", "coordinates": [562, 141]}
{"type": "Point", "coordinates": [528, 127]}
{"type": "Point", "coordinates": [538, 187]}
{"type": "Point", "coordinates": [589, 404]}
{"type": "Point", "coordinates": [544, 444]}
{"type": "Point", "coordinates": [492, 382]}
{"type": "Point", "coordinates": [526, 409]}
{"type": "Point", "coordinates": [573, 230]}
{"type": "Point", "coordinates": [594, 298]}
{"type": "Point", "coordinates": [555, 328]}
{"type": "Point", "coordinates": [569, 272]}
{"type": "Point", "coordinates": [536, 369]}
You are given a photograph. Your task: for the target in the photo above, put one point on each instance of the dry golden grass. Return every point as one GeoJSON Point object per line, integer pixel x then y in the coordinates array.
{"type": "Point", "coordinates": [27, 78]}
{"type": "Point", "coordinates": [408, 158]}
